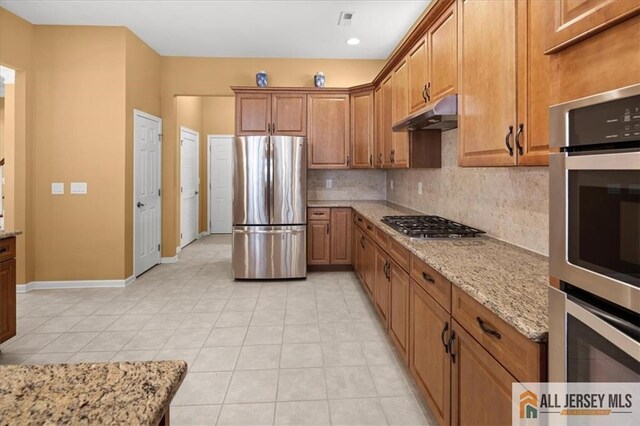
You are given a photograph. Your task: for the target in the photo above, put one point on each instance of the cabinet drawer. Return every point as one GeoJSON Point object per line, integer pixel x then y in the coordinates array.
{"type": "Point", "coordinates": [521, 356]}
{"type": "Point", "coordinates": [432, 282]}
{"type": "Point", "coordinates": [382, 238]}
{"type": "Point", "coordinates": [369, 229]}
{"type": "Point", "coordinates": [400, 254]}
{"type": "Point", "coordinates": [317, 213]}
{"type": "Point", "coordinates": [7, 249]}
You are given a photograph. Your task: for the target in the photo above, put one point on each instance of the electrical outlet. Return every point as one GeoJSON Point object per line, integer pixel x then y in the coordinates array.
{"type": "Point", "coordinates": [329, 183]}
{"type": "Point", "coordinates": [57, 188]}
{"type": "Point", "coordinates": [79, 188]}
{"type": "Point", "coordinates": [391, 184]}
{"type": "Point", "coordinates": [420, 188]}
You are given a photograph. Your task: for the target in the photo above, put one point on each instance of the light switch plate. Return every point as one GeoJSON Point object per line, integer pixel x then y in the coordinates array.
{"type": "Point", "coordinates": [78, 187]}
{"type": "Point", "coordinates": [57, 188]}
{"type": "Point", "coordinates": [420, 188]}
{"type": "Point", "coordinates": [329, 183]}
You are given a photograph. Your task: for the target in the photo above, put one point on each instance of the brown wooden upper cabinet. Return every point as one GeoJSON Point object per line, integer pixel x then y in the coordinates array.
{"type": "Point", "coordinates": [328, 131]}
{"type": "Point", "coordinates": [259, 113]}
{"type": "Point", "coordinates": [378, 151]}
{"type": "Point", "coordinates": [399, 154]}
{"type": "Point", "coordinates": [503, 91]}
{"type": "Point", "coordinates": [432, 62]}
{"type": "Point", "coordinates": [362, 137]}
{"type": "Point", "coordinates": [387, 121]}
{"type": "Point", "coordinates": [568, 22]}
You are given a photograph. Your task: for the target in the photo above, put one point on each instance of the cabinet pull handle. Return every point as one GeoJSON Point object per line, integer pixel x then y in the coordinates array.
{"type": "Point", "coordinates": [428, 90]}
{"type": "Point", "coordinates": [348, 161]}
{"type": "Point", "coordinates": [490, 331]}
{"type": "Point", "coordinates": [452, 338]}
{"type": "Point", "coordinates": [327, 229]}
{"type": "Point", "coordinates": [268, 127]}
{"type": "Point", "coordinates": [384, 269]}
{"type": "Point", "coordinates": [371, 159]}
{"type": "Point", "coordinates": [424, 93]}
{"type": "Point", "coordinates": [317, 214]}
{"type": "Point", "coordinates": [369, 228]}
{"type": "Point", "coordinates": [428, 278]}
{"type": "Point", "coordinates": [3, 249]}
{"type": "Point", "coordinates": [518, 134]}
{"type": "Point", "coordinates": [362, 241]}
{"type": "Point", "coordinates": [359, 219]}
{"type": "Point", "coordinates": [506, 141]}
{"type": "Point", "coordinates": [380, 158]}
{"type": "Point", "coordinates": [444, 330]}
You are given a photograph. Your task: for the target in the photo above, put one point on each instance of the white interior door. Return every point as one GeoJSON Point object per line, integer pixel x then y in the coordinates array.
{"type": "Point", "coordinates": [220, 183]}
{"type": "Point", "coordinates": [147, 185]}
{"type": "Point", "coordinates": [189, 180]}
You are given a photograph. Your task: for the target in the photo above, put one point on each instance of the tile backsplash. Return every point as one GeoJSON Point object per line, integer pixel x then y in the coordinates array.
{"type": "Point", "coordinates": [346, 185]}
{"type": "Point", "coordinates": [510, 203]}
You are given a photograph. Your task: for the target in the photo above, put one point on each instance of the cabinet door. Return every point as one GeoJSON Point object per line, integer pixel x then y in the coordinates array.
{"type": "Point", "coordinates": [417, 69]}
{"type": "Point", "coordinates": [487, 85]}
{"type": "Point", "coordinates": [382, 287]}
{"type": "Point", "coordinates": [362, 130]}
{"type": "Point", "coordinates": [443, 60]}
{"type": "Point", "coordinates": [289, 114]}
{"type": "Point", "coordinates": [399, 324]}
{"type": "Point", "coordinates": [570, 21]}
{"type": "Point", "coordinates": [368, 261]}
{"type": "Point", "coordinates": [7, 300]}
{"type": "Point", "coordinates": [378, 152]}
{"type": "Point", "coordinates": [481, 387]}
{"type": "Point", "coordinates": [534, 75]}
{"type": "Point", "coordinates": [253, 113]}
{"type": "Point", "coordinates": [341, 236]}
{"type": "Point", "coordinates": [400, 153]}
{"type": "Point", "coordinates": [318, 242]}
{"type": "Point", "coordinates": [429, 362]}
{"type": "Point", "coordinates": [359, 260]}
{"type": "Point", "coordinates": [387, 121]}
{"type": "Point", "coordinates": [328, 131]}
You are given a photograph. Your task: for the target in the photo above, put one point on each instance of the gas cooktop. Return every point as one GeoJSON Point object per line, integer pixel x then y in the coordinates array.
{"type": "Point", "coordinates": [430, 227]}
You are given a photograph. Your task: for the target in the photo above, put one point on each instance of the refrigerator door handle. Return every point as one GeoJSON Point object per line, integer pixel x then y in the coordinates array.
{"type": "Point", "coordinates": [271, 189]}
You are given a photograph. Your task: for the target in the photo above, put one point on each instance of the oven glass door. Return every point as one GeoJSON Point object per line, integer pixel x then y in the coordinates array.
{"type": "Point", "coordinates": [604, 222]}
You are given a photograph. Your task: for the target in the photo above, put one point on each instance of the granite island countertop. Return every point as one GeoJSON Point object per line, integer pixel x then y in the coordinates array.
{"type": "Point", "coordinates": [132, 393]}
{"type": "Point", "coordinates": [510, 281]}
{"type": "Point", "coordinates": [9, 234]}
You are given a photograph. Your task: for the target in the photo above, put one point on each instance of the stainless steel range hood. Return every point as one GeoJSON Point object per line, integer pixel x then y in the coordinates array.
{"type": "Point", "coordinates": [442, 115]}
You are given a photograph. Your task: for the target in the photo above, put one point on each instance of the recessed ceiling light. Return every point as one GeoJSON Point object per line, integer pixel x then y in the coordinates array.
{"type": "Point", "coordinates": [353, 41]}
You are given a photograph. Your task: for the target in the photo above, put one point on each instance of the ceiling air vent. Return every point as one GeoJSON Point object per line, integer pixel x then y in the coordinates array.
{"type": "Point", "coordinates": [345, 18]}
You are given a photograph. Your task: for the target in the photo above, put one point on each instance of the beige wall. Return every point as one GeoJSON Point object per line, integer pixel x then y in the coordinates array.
{"type": "Point", "coordinates": [142, 93]}
{"type": "Point", "coordinates": [16, 45]}
{"type": "Point", "coordinates": [213, 77]}
{"type": "Point", "coordinates": [80, 137]}
{"type": "Point", "coordinates": [510, 203]}
{"type": "Point", "coordinates": [218, 115]}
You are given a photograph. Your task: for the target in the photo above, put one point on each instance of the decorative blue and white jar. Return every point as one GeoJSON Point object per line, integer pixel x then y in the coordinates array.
{"type": "Point", "coordinates": [261, 79]}
{"type": "Point", "coordinates": [318, 79]}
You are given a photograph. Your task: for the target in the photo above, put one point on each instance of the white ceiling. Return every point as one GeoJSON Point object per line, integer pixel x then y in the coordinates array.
{"type": "Point", "coordinates": [257, 28]}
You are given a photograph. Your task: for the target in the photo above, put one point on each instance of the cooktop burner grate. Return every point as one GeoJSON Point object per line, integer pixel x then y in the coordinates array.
{"type": "Point", "coordinates": [430, 227]}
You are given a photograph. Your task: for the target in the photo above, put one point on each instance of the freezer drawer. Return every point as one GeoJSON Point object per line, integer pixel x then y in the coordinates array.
{"type": "Point", "coordinates": [269, 252]}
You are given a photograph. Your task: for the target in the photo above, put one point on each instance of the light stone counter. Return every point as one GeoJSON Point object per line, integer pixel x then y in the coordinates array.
{"type": "Point", "coordinates": [9, 234]}
{"type": "Point", "coordinates": [510, 281]}
{"type": "Point", "coordinates": [127, 393]}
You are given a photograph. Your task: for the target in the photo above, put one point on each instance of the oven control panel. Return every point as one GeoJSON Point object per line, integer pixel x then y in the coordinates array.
{"type": "Point", "coordinates": [614, 121]}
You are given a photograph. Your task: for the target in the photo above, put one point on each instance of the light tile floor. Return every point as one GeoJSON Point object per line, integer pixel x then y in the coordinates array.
{"type": "Point", "coordinates": [289, 352]}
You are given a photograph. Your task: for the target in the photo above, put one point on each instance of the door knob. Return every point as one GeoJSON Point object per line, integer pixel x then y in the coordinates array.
{"type": "Point", "coordinates": [140, 204]}
{"type": "Point", "coordinates": [197, 192]}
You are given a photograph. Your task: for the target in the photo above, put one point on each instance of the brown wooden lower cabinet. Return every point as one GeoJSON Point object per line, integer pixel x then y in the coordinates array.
{"type": "Point", "coordinates": [480, 385]}
{"type": "Point", "coordinates": [8, 290]}
{"type": "Point", "coordinates": [359, 253]}
{"type": "Point", "coordinates": [318, 242]}
{"type": "Point", "coordinates": [368, 263]}
{"type": "Point", "coordinates": [429, 361]}
{"type": "Point", "coordinates": [382, 287]}
{"type": "Point", "coordinates": [399, 323]}
{"type": "Point", "coordinates": [341, 236]}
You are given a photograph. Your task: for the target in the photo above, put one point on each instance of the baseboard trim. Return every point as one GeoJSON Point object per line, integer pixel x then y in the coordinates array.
{"type": "Point", "coordinates": [61, 285]}
{"type": "Point", "coordinates": [203, 234]}
{"type": "Point", "coordinates": [178, 249]}
{"type": "Point", "coordinates": [172, 259]}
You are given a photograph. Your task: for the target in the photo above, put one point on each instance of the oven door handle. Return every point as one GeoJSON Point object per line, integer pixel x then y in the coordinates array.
{"type": "Point", "coordinates": [595, 319]}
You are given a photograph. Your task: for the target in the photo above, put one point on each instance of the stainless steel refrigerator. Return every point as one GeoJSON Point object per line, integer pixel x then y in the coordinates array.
{"type": "Point", "coordinates": [269, 207]}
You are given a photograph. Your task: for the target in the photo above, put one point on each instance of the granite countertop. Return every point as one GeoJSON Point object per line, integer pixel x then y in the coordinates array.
{"type": "Point", "coordinates": [510, 281]}
{"type": "Point", "coordinates": [132, 393]}
{"type": "Point", "coordinates": [9, 234]}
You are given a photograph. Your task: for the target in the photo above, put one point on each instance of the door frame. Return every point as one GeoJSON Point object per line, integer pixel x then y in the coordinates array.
{"type": "Point", "coordinates": [210, 139]}
{"type": "Point", "coordinates": [197, 135]}
{"type": "Point", "coordinates": [143, 114]}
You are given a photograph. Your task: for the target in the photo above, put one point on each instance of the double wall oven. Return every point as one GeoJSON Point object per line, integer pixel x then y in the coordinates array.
{"type": "Point", "coordinates": [595, 238]}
